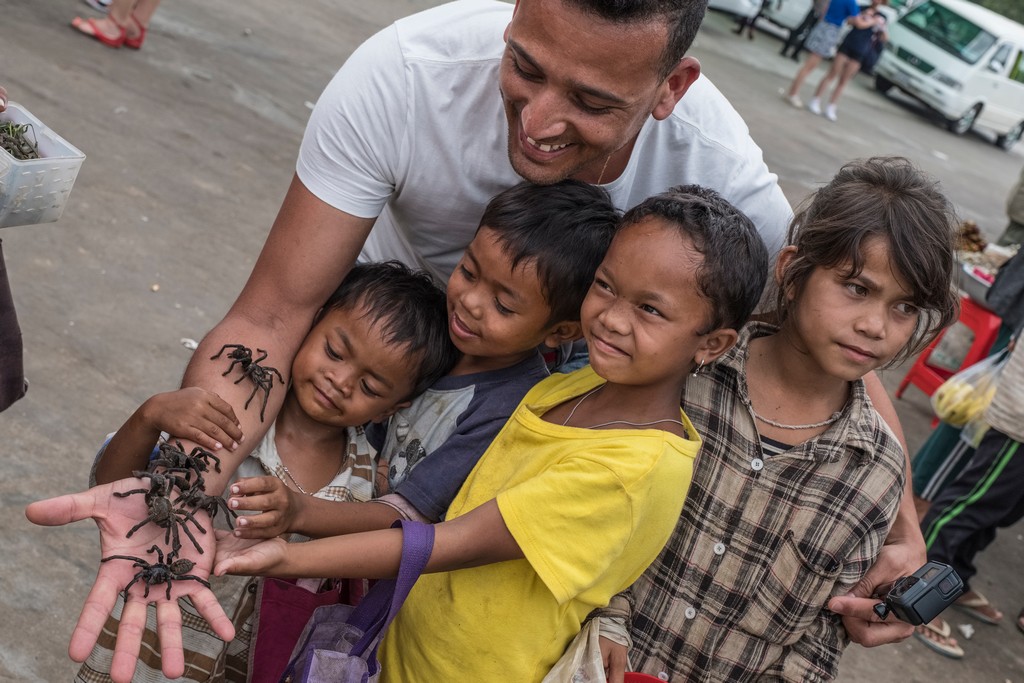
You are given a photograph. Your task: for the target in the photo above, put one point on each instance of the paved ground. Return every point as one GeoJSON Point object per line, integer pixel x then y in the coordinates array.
{"type": "Point", "coordinates": [191, 144]}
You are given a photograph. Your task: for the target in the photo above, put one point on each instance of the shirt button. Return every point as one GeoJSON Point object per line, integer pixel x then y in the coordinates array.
{"type": "Point", "coordinates": [756, 464]}
{"type": "Point", "coordinates": [663, 676]}
{"type": "Point", "coordinates": [719, 549]}
{"type": "Point", "coordinates": [690, 613]}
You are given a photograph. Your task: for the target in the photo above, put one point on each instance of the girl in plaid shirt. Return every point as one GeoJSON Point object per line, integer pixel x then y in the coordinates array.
{"type": "Point", "coordinates": [799, 479]}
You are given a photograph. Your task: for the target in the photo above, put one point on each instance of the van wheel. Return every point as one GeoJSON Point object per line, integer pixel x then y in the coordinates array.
{"type": "Point", "coordinates": [964, 123]}
{"type": "Point", "coordinates": [1011, 137]}
{"type": "Point", "coordinates": [882, 84]}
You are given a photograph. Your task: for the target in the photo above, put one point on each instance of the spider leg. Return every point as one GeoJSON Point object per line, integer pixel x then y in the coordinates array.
{"type": "Point", "coordinates": [131, 583]}
{"type": "Point", "coordinates": [125, 494]}
{"type": "Point", "coordinates": [193, 578]}
{"type": "Point", "coordinates": [138, 526]}
{"type": "Point", "coordinates": [248, 400]}
{"type": "Point", "coordinates": [190, 515]}
{"type": "Point", "coordinates": [193, 538]}
{"type": "Point", "coordinates": [176, 545]}
{"type": "Point", "coordinates": [123, 557]}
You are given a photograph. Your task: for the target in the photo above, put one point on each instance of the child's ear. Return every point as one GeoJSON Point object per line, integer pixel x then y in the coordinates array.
{"type": "Point", "coordinates": [715, 344]}
{"type": "Point", "coordinates": [391, 411]}
{"type": "Point", "coordinates": [565, 331]}
{"type": "Point", "coordinates": [782, 263]}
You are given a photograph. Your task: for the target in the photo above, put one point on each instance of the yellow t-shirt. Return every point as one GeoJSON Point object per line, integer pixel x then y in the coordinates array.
{"type": "Point", "coordinates": [591, 509]}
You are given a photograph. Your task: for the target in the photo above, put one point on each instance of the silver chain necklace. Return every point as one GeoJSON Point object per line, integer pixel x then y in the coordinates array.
{"type": "Point", "coordinates": [824, 423]}
{"type": "Point", "coordinates": [612, 422]}
{"type": "Point", "coordinates": [297, 486]}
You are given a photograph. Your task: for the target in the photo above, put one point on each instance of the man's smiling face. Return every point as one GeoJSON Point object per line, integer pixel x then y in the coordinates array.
{"type": "Point", "coordinates": [577, 89]}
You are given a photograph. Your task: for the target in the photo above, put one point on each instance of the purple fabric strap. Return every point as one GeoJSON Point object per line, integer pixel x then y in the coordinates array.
{"type": "Point", "coordinates": [378, 609]}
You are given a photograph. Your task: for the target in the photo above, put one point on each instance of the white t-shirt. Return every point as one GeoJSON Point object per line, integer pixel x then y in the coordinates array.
{"type": "Point", "coordinates": [412, 130]}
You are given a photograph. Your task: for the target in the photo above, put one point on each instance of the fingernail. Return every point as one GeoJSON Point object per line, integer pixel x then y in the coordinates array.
{"type": "Point", "coordinates": [234, 445]}
{"type": "Point", "coordinates": [233, 503]}
{"type": "Point", "coordinates": [235, 489]}
{"type": "Point", "coordinates": [242, 521]}
{"type": "Point", "coordinates": [218, 446]}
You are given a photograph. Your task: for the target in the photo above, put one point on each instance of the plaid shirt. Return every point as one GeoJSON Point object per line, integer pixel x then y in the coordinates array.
{"type": "Point", "coordinates": [739, 592]}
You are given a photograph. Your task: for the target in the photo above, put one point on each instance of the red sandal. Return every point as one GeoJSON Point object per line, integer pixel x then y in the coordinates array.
{"type": "Point", "coordinates": [78, 23]}
{"type": "Point", "coordinates": [136, 42]}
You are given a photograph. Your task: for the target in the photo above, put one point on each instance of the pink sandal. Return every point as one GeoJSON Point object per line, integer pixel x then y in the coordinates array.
{"type": "Point", "coordinates": [78, 23]}
{"type": "Point", "coordinates": [136, 42]}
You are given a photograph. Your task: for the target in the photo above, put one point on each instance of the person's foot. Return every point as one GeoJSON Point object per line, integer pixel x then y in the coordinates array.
{"type": "Point", "coordinates": [936, 635]}
{"type": "Point", "coordinates": [830, 113]}
{"type": "Point", "coordinates": [795, 57]}
{"type": "Point", "coordinates": [814, 106]}
{"type": "Point", "coordinates": [978, 606]}
{"type": "Point", "coordinates": [98, 5]}
{"type": "Point", "coordinates": [104, 29]}
{"type": "Point", "coordinates": [1020, 621]}
{"type": "Point", "coordinates": [794, 100]}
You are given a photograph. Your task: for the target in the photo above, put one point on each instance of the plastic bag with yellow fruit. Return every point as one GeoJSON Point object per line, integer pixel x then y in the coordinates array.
{"type": "Point", "coordinates": [965, 396]}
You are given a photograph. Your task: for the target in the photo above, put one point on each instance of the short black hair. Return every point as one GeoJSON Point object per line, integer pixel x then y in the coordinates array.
{"type": "Point", "coordinates": [564, 229]}
{"type": "Point", "coordinates": [884, 197]}
{"type": "Point", "coordinates": [681, 17]}
{"type": "Point", "coordinates": [734, 269]}
{"type": "Point", "coordinates": [410, 309]}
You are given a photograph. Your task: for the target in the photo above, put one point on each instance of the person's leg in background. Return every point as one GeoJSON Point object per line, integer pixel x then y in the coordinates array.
{"type": "Point", "coordinates": [12, 371]}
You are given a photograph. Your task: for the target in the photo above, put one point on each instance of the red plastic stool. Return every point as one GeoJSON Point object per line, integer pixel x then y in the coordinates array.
{"type": "Point", "coordinates": [985, 325]}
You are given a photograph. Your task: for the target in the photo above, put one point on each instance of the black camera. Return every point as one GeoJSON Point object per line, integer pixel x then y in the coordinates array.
{"type": "Point", "coordinates": [920, 597]}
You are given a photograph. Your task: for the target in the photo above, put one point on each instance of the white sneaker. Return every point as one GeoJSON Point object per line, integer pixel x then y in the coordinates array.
{"type": "Point", "coordinates": [830, 112]}
{"type": "Point", "coordinates": [814, 106]}
{"type": "Point", "coordinates": [794, 100]}
{"type": "Point", "coordinates": [98, 5]}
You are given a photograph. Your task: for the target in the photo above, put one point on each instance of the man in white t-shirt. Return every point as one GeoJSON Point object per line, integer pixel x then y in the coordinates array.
{"type": "Point", "coordinates": [422, 125]}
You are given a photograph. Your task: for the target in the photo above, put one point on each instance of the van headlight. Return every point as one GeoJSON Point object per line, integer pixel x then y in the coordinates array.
{"type": "Point", "coordinates": [947, 81]}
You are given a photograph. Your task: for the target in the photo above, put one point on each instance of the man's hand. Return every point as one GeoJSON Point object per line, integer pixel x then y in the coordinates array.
{"type": "Point", "coordinates": [115, 517]}
{"type": "Point", "coordinates": [898, 558]}
{"type": "Point", "coordinates": [613, 655]}
{"type": "Point", "coordinates": [279, 505]}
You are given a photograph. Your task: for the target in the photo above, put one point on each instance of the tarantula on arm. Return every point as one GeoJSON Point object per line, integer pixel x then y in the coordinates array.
{"type": "Point", "coordinates": [155, 573]}
{"type": "Point", "coordinates": [261, 376]}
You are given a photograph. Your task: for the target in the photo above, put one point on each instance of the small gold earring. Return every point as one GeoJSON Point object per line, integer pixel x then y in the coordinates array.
{"type": "Point", "coordinates": [697, 369]}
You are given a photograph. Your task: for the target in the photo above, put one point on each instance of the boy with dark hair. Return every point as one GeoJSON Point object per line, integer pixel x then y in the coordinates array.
{"type": "Point", "coordinates": [518, 286]}
{"type": "Point", "coordinates": [378, 341]}
{"type": "Point", "coordinates": [581, 488]}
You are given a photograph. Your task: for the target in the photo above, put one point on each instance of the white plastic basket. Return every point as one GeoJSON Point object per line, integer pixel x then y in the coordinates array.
{"type": "Point", "coordinates": [36, 190]}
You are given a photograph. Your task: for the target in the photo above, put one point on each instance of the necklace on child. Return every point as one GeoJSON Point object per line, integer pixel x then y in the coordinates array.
{"type": "Point", "coordinates": [613, 422]}
{"type": "Point", "coordinates": [824, 423]}
{"type": "Point", "coordinates": [297, 486]}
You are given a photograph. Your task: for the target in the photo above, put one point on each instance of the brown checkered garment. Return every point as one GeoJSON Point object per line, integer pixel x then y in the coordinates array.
{"type": "Point", "coordinates": [739, 592]}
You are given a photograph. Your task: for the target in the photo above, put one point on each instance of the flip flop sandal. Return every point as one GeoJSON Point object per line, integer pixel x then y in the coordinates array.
{"type": "Point", "coordinates": [943, 648]}
{"type": "Point", "coordinates": [136, 42]}
{"type": "Point", "coordinates": [975, 607]}
{"type": "Point", "coordinates": [94, 32]}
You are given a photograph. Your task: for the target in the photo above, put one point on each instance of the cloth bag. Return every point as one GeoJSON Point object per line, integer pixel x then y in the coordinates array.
{"type": "Point", "coordinates": [283, 608]}
{"type": "Point", "coordinates": [339, 644]}
{"type": "Point", "coordinates": [965, 396]}
{"type": "Point", "coordinates": [581, 662]}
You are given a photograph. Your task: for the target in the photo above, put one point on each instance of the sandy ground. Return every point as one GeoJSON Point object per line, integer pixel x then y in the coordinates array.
{"type": "Point", "coordinates": [191, 144]}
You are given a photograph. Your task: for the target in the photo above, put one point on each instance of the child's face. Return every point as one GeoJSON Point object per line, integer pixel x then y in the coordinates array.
{"type": "Point", "coordinates": [345, 374]}
{"type": "Point", "coordinates": [494, 311]}
{"type": "Point", "coordinates": [643, 316]}
{"type": "Point", "coordinates": [851, 326]}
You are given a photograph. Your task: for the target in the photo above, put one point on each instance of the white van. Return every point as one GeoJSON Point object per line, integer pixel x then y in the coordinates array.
{"type": "Point", "coordinates": [962, 60]}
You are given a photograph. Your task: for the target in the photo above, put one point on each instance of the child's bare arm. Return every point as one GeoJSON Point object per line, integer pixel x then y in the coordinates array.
{"type": "Point", "coordinates": [480, 537]}
{"type": "Point", "coordinates": [283, 510]}
{"type": "Point", "coordinates": [191, 413]}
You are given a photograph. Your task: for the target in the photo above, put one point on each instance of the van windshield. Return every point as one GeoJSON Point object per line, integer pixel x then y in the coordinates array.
{"type": "Point", "coordinates": [950, 31]}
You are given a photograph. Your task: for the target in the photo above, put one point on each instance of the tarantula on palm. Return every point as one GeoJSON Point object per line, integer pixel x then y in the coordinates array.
{"type": "Point", "coordinates": [156, 573]}
{"type": "Point", "coordinates": [261, 376]}
{"type": "Point", "coordinates": [162, 510]}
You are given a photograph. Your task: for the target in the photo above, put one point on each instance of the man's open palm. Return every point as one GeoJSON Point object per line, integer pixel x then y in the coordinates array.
{"type": "Point", "coordinates": [115, 516]}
